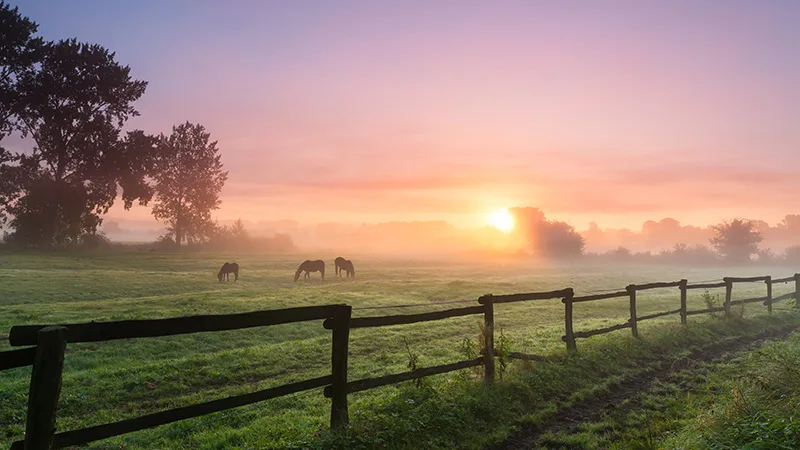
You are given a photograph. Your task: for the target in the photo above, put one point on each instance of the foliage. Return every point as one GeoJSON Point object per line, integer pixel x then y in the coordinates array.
{"type": "Point", "coordinates": [547, 238]}
{"type": "Point", "coordinates": [189, 178]}
{"type": "Point", "coordinates": [73, 105]}
{"type": "Point", "coordinates": [712, 301]}
{"type": "Point", "coordinates": [736, 240]}
{"type": "Point", "coordinates": [752, 402]}
{"type": "Point", "coordinates": [19, 50]}
{"type": "Point", "coordinates": [502, 345]}
{"type": "Point", "coordinates": [792, 254]}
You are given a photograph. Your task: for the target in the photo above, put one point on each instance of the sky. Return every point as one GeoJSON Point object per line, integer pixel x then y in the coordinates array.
{"type": "Point", "coordinates": [363, 111]}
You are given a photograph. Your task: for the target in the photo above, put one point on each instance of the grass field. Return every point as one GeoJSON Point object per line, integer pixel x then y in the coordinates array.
{"type": "Point", "coordinates": [111, 381]}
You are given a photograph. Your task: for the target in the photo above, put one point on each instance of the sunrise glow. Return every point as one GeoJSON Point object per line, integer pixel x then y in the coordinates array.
{"type": "Point", "coordinates": [501, 219]}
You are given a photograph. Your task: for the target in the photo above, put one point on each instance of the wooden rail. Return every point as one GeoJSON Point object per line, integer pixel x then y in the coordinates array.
{"type": "Point", "coordinates": [588, 298]}
{"type": "Point", "coordinates": [784, 297]}
{"type": "Point", "coordinates": [561, 293]}
{"type": "Point", "coordinates": [126, 329]}
{"type": "Point", "coordinates": [85, 435]}
{"type": "Point", "coordinates": [17, 358]}
{"type": "Point", "coordinates": [706, 285]}
{"type": "Point", "coordinates": [704, 311]}
{"type": "Point", "coordinates": [382, 321]}
{"type": "Point", "coordinates": [371, 383]}
{"type": "Point", "coordinates": [47, 355]}
{"type": "Point", "coordinates": [667, 284]}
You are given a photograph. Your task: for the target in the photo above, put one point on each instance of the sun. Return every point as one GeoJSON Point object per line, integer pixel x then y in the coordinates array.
{"type": "Point", "coordinates": [501, 219]}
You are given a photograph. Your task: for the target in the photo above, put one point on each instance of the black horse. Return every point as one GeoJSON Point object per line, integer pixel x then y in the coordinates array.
{"type": "Point", "coordinates": [310, 266]}
{"type": "Point", "coordinates": [345, 265]}
{"type": "Point", "coordinates": [227, 269]}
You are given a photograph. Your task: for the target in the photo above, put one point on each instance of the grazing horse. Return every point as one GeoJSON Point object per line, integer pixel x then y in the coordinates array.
{"type": "Point", "coordinates": [310, 266]}
{"type": "Point", "coordinates": [339, 263]}
{"type": "Point", "coordinates": [227, 269]}
{"type": "Point", "coordinates": [346, 266]}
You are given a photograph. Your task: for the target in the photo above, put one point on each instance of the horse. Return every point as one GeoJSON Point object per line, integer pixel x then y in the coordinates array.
{"type": "Point", "coordinates": [346, 266]}
{"type": "Point", "coordinates": [338, 263]}
{"type": "Point", "coordinates": [310, 266]}
{"type": "Point", "coordinates": [227, 269]}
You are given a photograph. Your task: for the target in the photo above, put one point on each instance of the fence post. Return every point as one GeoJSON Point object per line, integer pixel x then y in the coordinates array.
{"type": "Point", "coordinates": [797, 289]}
{"type": "Point", "coordinates": [569, 335]}
{"type": "Point", "coordinates": [341, 336]}
{"type": "Point", "coordinates": [488, 337]}
{"type": "Point", "coordinates": [728, 296]}
{"type": "Point", "coordinates": [45, 388]}
{"type": "Point", "coordinates": [683, 301]}
{"type": "Point", "coordinates": [769, 293]}
{"type": "Point", "coordinates": [632, 292]}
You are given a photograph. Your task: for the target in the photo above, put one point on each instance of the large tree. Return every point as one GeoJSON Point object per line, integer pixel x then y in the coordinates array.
{"type": "Point", "coordinates": [73, 106]}
{"type": "Point", "coordinates": [19, 50]}
{"type": "Point", "coordinates": [736, 240]}
{"type": "Point", "coordinates": [189, 178]}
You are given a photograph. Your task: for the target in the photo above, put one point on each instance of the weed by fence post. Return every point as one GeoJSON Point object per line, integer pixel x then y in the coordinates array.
{"type": "Point", "coordinates": [341, 336]}
{"type": "Point", "coordinates": [488, 337]}
{"type": "Point", "coordinates": [728, 296]}
{"type": "Point", "coordinates": [683, 301]}
{"type": "Point", "coordinates": [45, 388]}
{"type": "Point", "coordinates": [769, 293]}
{"type": "Point", "coordinates": [569, 334]}
{"type": "Point", "coordinates": [632, 292]}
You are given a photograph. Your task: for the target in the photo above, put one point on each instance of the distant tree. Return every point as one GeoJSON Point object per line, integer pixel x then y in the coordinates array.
{"type": "Point", "coordinates": [766, 256]}
{"type": "Point", "coordinates": [189, 178]}
{"type": "Point", "coordinates": [547, 238]}
{"type": "Point", "coordinates": [73, 106]}
{"type": "Point", "coordinates": [792, 254]}
{"type": "Point", "coordinates": [555, 239]}
{"type": "Point", "coordinates": [736, 240]}
{"type": "Point", "coordinates": [620, 253]}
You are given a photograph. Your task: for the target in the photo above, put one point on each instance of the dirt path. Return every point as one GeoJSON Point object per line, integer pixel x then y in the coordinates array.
{"type": "Point", "coordinates": [568, 419]}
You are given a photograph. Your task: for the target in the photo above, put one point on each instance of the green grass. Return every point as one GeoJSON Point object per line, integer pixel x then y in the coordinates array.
{"type": "Point", "coordinates": [110, 381]}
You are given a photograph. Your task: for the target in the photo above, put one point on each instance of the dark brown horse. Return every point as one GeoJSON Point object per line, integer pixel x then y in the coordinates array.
{"type": "Point", "coordinates": [227, 269]}
{"type": "Point", "coordinates": [309, 266]}
{"type": "Point", "coordinates": [345, 265]}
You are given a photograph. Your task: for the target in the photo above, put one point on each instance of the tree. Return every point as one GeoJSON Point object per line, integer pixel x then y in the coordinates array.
{"type": "Point", "coordinates": [547, 238]}
{"type": "Point", "coordinates": [736, 240]}
{"type": "Point", "coordinates": [73, 106]}
{"type": "Point", "coordinates": [19, 50]}
{"type": "Point", "coordinates": [189, 178]}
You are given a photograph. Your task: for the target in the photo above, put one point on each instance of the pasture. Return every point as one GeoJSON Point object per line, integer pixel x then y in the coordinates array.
{"type": "Point", "coordinates": [110, 381]}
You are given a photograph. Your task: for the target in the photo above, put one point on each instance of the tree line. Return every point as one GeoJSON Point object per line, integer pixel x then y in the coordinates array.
{"type": "Point", "coordinates": [71, 100]}
{"type": "Point", "coordinates": [735, 241]}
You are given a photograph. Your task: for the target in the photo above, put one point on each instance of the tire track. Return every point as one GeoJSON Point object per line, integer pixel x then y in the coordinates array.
{"type": "Point", "coordinates": [570, 418]}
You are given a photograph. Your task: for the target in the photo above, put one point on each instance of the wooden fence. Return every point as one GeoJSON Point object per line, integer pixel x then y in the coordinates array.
{"type": "Point", "coordinates": [48, 344]}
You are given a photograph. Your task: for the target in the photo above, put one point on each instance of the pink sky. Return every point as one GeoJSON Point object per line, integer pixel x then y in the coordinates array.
{"type": "Point", "coordinates": [378, 111]}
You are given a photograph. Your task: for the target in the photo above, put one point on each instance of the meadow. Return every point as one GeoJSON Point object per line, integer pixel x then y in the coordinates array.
{"type": "Point", "coordinates": [108, 381]}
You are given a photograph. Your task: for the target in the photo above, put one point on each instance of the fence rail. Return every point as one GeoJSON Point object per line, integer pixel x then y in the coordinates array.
{"type": "Point", "coordinates": [49, 344]}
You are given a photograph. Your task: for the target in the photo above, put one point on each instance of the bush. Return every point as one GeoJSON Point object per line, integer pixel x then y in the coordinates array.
{"type": "Point", "coordinates": [94, 241]}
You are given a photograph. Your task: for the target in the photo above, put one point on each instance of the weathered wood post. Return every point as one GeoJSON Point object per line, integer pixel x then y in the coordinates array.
{"type": "Point", "coordinates": [797, 288]}
{"type": "Point", "coordinates": [683, 300]}
{"type": "Point", "coordinates": [728, 296]}
{"type": "Point", "coordinates": [569, 334]}
{"type": "Point", "coordinates": [45, 388]}
{"type": "Point", "coordinates": [769, 293]}
{"type": "Point", "coordinates": [631, 288]}
{"type": "Point", "coordinates": [341, 337]}
{"type": "Point", "coordinates": [488, 337]}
